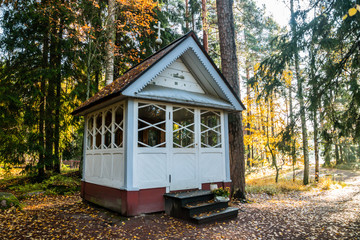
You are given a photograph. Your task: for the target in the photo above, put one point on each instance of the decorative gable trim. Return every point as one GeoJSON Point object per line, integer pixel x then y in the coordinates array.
{"type": "Point", "coordinates": [220, 87]}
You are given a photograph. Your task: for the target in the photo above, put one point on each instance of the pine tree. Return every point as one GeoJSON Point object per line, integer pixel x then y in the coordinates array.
{"type": "Point", "coordinates": [229, 67]}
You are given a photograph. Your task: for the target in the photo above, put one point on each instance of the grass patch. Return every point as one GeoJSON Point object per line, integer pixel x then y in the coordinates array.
{"type": "Point", "coordinates": [347, 166]}
{"type": "Point", "coordinates": [58, 184]}
{"type": "Point", "coordinates": [269, 186]}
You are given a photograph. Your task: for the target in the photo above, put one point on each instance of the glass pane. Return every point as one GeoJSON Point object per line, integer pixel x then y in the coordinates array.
{"type": "Point", "coordinates": [90, 128]}
{"type": "Point", "coordinates": [108, 139]}
{"type": "Point", "coordinates": [118, 137]}
{"type": "Point", "coordinates": [183, 128]}
{"type": "Point", "coordinates": [210, 129]}
{"type": "Point", "coordinates": [118, 134]}
{"type": "Point", "coordinates": [90, 124]}
{"type": "Point", "coordinates": [119, 115]}
{"type": "Point", "coordinates": [98, 132]}
{"type": "Point", "coordinates": [108, 119]}
{"type": "Point", "coordinates": [151, 125]}
{"type": "Point", "coordinates": [90, 141]}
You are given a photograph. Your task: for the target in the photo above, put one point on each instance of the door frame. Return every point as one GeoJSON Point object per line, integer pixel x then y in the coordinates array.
{"type": "Point", "coordinates": [173, 185]}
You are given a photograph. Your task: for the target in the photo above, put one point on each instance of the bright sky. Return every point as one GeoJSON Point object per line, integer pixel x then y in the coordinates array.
{"type": "Point", "coordinates": [278, 9]}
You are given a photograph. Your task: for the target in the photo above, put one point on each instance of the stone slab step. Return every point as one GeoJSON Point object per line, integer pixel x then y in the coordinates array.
{"type": "Point", "coordinates": [215, 216]}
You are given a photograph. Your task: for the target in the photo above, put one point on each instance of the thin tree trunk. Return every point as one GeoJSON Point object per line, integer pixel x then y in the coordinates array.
{"type": "Point", "coordinates": [204, 23]}
{"type": "Point", "coordinates": [110, 46]}
{"type": "Point", "coordinates": [229, 66]}
{"type": "Point", "coordinates": [341, 154]}
{"type": "Point", "coordinates": [293, 140]}
{"type": "Point", "coordinates": [300, 97]}
{"type": "Point", "coordinates": [187, 15]}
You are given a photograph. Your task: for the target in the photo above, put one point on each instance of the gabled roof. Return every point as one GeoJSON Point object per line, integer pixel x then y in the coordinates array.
{"type": "Point", "coordinates": [120, 86]}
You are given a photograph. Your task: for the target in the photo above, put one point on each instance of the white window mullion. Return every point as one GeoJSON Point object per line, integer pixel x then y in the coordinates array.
{"type": "Point", "coordinates": [103, 130]}
{"type": "Point", "coordinates": [94, 132]}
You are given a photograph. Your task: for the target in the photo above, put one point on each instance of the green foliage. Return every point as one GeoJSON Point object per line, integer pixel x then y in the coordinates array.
{"type": "Point", "coordinates": [221, 192]}
{"type": "Point", "coordinates": [59, 184]}
{"type": "Point", "coordinates": [8, 200]}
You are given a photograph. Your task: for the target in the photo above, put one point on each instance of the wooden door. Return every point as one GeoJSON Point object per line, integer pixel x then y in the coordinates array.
{"type": "Point", "coordinates": [184, 156]}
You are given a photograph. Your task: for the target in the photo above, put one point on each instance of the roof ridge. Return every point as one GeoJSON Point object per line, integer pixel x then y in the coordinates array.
{"type": "Point", "coordinates": [157, 52]}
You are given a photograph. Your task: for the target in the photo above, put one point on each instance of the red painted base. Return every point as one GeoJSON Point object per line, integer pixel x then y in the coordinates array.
{"type": "Point", "coordinates": [130, 203]}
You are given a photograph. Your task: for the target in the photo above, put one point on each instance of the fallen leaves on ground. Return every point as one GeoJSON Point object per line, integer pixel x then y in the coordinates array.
{"type": "Point", "coordinates": [333, 214]}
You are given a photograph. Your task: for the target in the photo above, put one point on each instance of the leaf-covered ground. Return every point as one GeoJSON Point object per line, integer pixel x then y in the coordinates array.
{"type": "Point", "coordinates": [332, 214]}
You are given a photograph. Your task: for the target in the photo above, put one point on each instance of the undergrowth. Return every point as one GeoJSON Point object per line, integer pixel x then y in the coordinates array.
{"type": "Point", "coordinates": [269, 186]}
{"type": "Point", "coordinates": [55, 184]}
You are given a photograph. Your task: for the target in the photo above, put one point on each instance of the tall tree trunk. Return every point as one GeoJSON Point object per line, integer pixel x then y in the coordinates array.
{"type": "Point", "coordinates": [57, 157]}
{"type": "Point", "coordinates": [110, 45]}
{"type": "Point", "coordinates": [41, 163]}
{"type": "Point", "coordinates": [316, 147]}
{"type": "Point", "coordinates": [292, 139]}
{"type": "Point", "coordinates": [248, 111]}
{"type": "Point", "coordinates": [300, 95]}
{"type": "Point", "coordinates": [187, 15]}
{"type": "Point", "coordinates": [341, 154]}
{"type": "Point", "coordinates": [205, 26]}
{"type": "Point", "coordinates": [315, 120]}
{"type": "Point", "coordinates": [337, 156]}
{"type": "Point", "coordinates": [229, 66]}
{"type": "Point", "coordinates": [50, 100]}
{"type": "Point", "coordinates": [327, 153]}
{"type": "Point", "coordinates": [315, 103]}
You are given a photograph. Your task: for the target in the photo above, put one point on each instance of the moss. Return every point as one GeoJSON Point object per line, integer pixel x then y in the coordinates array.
{"type": "Point", "coordinates": [8, 200]}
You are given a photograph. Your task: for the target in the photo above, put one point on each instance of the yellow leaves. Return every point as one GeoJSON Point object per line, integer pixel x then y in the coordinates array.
{"type": "Point", "coordinates": [352, 12]}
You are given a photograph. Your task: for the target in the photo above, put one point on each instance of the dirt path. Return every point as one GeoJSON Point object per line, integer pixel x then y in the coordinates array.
{"type": "Point", "coordinates": [332, 214]}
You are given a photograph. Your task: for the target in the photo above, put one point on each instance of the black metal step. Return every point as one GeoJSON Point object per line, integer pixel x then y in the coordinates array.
{"type": "Point", "coordinates": [214, 216]}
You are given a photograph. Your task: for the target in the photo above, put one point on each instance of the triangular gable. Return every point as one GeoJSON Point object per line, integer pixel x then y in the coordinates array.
{"type": "Point", "coordinates": [178, 76]}
{"type": "Point", "coordinates": [137, 78]}
{"type": "Point", "coordinates": [197, 61]}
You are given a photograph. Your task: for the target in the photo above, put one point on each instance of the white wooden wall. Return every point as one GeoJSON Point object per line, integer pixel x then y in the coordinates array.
{"type": "Point", "coordinates": [104, 165]}
{"type": "Point", "coordinates": [152, 166]}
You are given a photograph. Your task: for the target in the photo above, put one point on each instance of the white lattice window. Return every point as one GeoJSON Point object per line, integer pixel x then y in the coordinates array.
{"type": "Point", "coordinates": [210, 129]}
{"type": "Point", "coordinates": [90, 133]}
{"type": "Point", "coordinates": [105, 128]}
{"type": "Point", "coordinates": [118, 126]}
{"type": "Point", "coordinates": [183, 128]}
{"type": "Point", "coordinates": [151, 125]}
{"type": "Point", "coordinates": [98, 130]}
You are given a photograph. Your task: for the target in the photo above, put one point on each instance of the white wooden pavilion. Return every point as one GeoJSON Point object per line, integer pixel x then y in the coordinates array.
{"type": "Point", "coordinates": [159, 128]}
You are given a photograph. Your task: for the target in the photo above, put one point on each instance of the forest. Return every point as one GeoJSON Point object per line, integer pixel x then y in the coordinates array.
{"type": "Point", "coordinates": [293, 155]}
{"type": "Point", "coordinates": [299, 83]}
